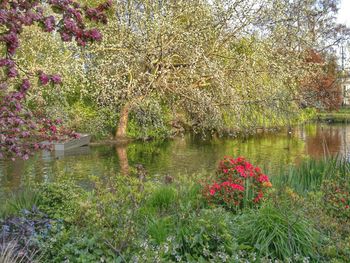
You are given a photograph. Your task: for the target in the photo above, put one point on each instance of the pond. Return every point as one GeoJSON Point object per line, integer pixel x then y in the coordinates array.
{"type": "Point", "coordinates": [185, 155]}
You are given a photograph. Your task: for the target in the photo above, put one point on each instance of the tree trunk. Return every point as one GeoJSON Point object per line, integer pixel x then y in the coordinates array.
{"type": "Point", "coordinates": [123, 121]}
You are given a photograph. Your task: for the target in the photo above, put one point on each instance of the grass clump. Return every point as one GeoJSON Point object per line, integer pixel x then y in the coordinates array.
{"type": "Point", "coordinates": [277, 233]}
{"type": "Point", "coordinates": [309, 175]}
{"type": "Point", "coordinates": [163, 198]}
{"type": "Point", "coordinates": [21, 200]}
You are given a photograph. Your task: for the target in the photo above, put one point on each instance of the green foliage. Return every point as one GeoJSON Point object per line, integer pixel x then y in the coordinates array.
{"type": "Point", "coordinates": [77, 245]}
{"type": "Point", "coordinates": [89, 118]}
{"type": "Point", "coordinates": [339, 116]}
{"type": "Point", "coordinates": [205, 234]}
{"type": "Point", "coordinates": [277, 232]}
{"type": "Point", "coordinates": [61, 200]}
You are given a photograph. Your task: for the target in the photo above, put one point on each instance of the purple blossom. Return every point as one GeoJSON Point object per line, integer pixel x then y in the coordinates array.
{"type": "Point", "coordinates": [70, 25]}
{"type": "Point", "coordinates": [6, 62]}
{"type": "Point", "coordinates": [25, 85]}
{"type": "Point", "coordinates": [3, 86]}
{"type": "Point", "coordinates": [56, 79]}
{"type": "Point", "coordinates": [11, 41]}
{"type": "Point", "coordinates": [12, 72]}
{"type": "Point", "coordinates": [49, 23]}
{"type": "Point", "coordinates": [94, 34]}
{"type": "Point", "coordinates": [66, 37]}
{"type": "Point", "coordinates": [43, 78]}
{"type": "Point", "coordinates": [3, 16]}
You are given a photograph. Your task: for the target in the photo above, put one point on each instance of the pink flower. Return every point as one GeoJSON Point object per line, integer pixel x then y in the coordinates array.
{"type": "Point", "coordinates": [225, 171]}
{"type": "Point", "coordinates": [94, 34]}
{"type": "Point", "coordinates": [212, 192]}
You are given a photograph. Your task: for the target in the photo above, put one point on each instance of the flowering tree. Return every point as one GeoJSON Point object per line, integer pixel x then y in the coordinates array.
{"type": "Point", "coordinates": [20, 129]}
{"type": "Point", "coordinates": [202, 59]}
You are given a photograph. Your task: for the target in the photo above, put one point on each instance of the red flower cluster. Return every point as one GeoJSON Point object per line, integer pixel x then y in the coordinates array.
{"type": "Point", "coordinates": [237, 184]}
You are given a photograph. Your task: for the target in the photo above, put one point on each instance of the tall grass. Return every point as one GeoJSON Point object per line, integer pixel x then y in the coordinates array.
{"type": "Point", "coordinates": [23, 199]}
{"type": "Point", "coordinates": [160, 228]}
{"type": "Point", "coordinates": [309, 175]}
{"type": "Point", "coordinates": [277, 233]}
{"type": "Point", "coordinates": [163, 198]}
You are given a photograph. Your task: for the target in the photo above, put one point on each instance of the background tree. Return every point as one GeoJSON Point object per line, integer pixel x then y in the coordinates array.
{"type": "Point", "coordinates": [203, 60]}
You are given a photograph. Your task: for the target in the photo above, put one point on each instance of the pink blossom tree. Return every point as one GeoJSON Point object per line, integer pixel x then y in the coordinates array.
{"type": "Point", "coordinates": [21, 131]}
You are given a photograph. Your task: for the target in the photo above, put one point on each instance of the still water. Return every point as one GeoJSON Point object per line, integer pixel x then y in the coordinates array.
{"type": "Point", "coordinates": [185, 155]}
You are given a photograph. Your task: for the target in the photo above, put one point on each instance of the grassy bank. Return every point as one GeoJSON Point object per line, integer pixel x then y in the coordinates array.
{"type": "Point", "coordinates": [304, 217]}
{"type": "Point", "coordinates": [339, 116]}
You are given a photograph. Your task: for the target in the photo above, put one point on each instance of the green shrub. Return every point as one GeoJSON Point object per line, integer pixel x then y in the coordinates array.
{"type": "Point", "coordinates": [61, 200]}
{"type": "Point", "coordinates": [277, 233]}
{"type": "Point", "coordinates": [188, 237]}
{"type": "Point", "coordinates": [77, 245]}
{"type": "Point", "coordinates": [191, 198]}
{"type": "Point", "coordinates": [203, 235]}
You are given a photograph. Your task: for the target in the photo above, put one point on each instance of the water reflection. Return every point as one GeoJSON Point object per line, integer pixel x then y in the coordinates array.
{"type": "Point", "coordinates": [325, 140]}
{"type": "Point", "coordinates": [181, 155]}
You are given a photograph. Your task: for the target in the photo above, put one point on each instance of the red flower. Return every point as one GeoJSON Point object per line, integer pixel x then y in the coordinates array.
{"type": "Point", "coordinates": [237, 187]}
{"type": "Point", "coordinates": [263, 178]}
